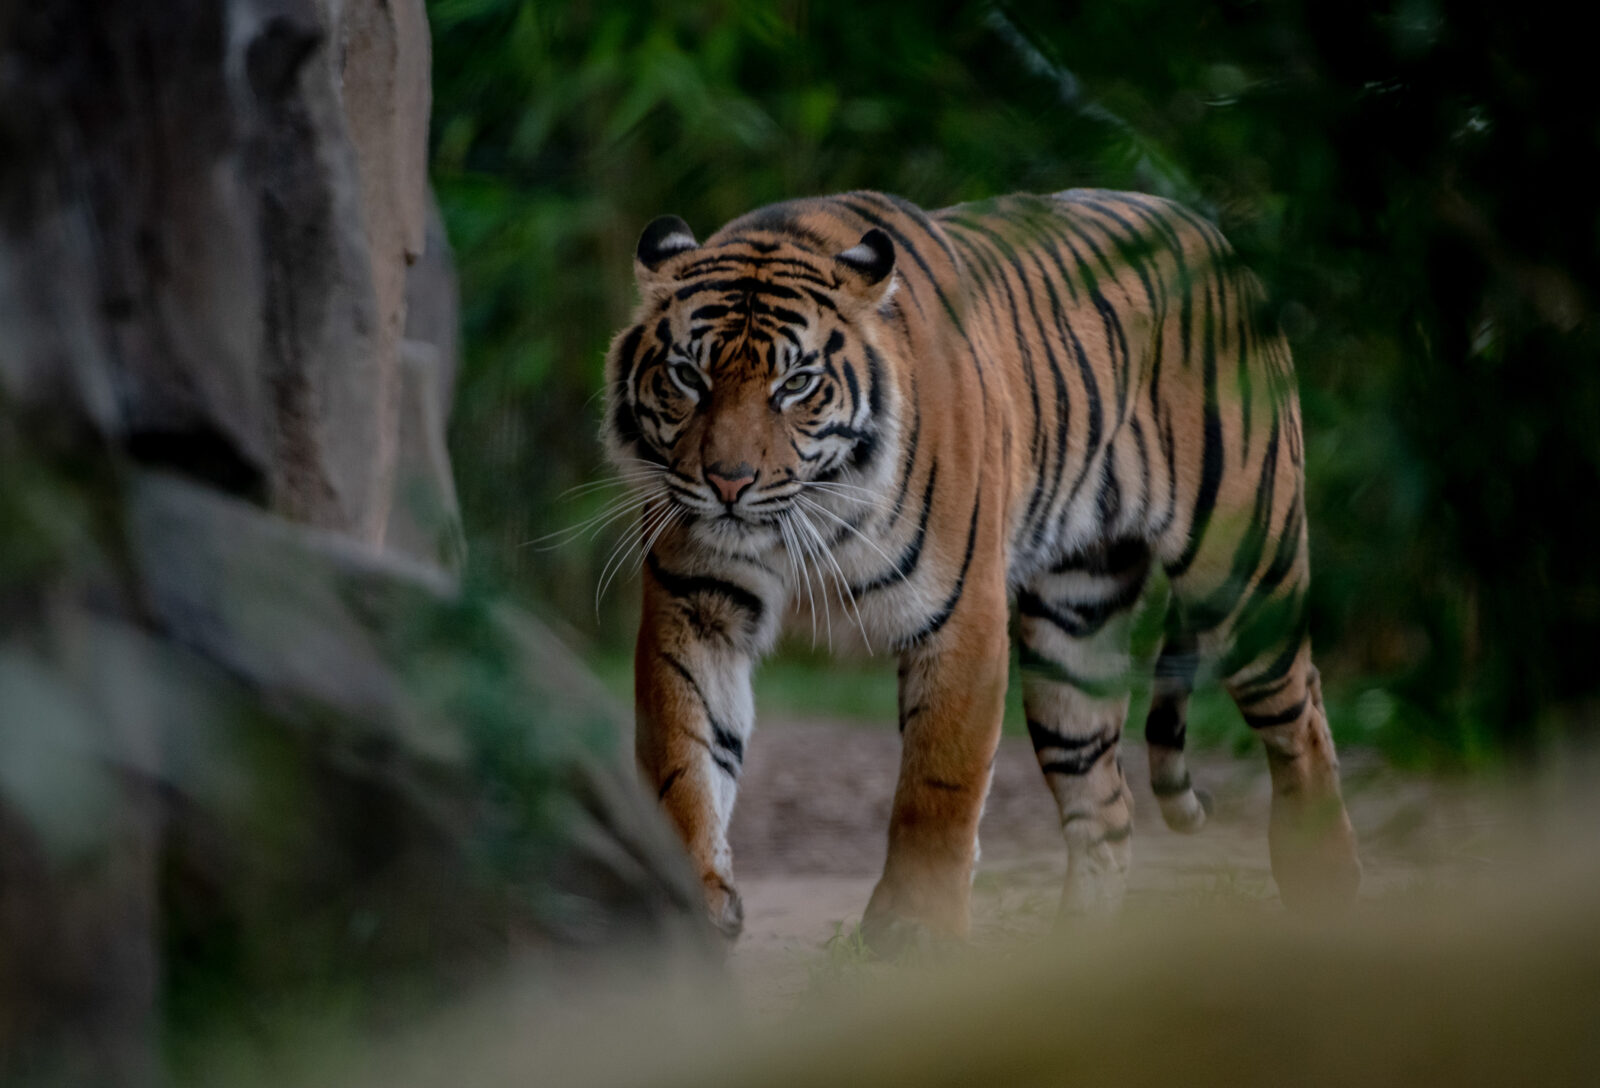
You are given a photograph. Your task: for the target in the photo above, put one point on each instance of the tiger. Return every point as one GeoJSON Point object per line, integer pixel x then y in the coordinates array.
{"type": "Point", "coordinates": [909, 422]}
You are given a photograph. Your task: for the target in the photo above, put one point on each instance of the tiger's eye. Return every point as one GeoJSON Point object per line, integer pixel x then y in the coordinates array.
{"type": "Point", "coordinates": [797, 383]}
{"type": "Point", "coordinates": [688, 374]}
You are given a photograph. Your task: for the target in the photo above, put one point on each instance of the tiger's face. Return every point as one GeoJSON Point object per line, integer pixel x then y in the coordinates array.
{"type": "Point", "coordinates": [749, 387]}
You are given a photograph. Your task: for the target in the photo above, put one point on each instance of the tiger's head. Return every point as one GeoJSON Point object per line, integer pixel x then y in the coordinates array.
{"type": "Point", "coordinates": [749, 391]}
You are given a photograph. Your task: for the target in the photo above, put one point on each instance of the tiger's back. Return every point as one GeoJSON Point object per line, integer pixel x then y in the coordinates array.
{"type": "Point", "coordinates": [913, 418]}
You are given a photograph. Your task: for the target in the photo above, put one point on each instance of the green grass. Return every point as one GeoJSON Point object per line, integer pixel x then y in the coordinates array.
{"type": "Point", "coordinates": [799, 682]}
{"type": "Point", "coordinates": [805, 684]}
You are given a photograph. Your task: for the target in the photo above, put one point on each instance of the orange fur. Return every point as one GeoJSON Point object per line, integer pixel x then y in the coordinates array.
{"type": "Point", "coordinates": [900, 422]}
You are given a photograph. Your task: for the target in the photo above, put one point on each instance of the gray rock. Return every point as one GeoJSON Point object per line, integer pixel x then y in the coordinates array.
{"type": "Point", "coordinates": [257, 743]}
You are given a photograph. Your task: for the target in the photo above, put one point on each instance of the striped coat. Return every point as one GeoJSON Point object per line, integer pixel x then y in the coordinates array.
{"type": "Point", "coordinates": [890, 424]}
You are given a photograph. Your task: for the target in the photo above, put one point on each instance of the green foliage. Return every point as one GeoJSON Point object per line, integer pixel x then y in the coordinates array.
{"type": "Point", "coordinates": [1404, 178]}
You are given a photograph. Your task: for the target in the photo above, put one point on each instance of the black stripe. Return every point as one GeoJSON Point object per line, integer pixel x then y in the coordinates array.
{"type": "Point", "coordinates": [921, 218]}
{"type": "Point", "coordinates": [1086, 617]}
{"type": "Point", "coordinates": [1208, 613]}
{"type": "Point", "coordinates": [724, 263]}
{"type": "Point", "coordinates": [854, 386]}
{"type": "Point", "coordinates": [742, 285]}
{"type": "Point", "coordinates": [1086, 376]}
{"type": "Point", "coordinates": [1142, 452]}
{"type": "Point", "coordinates": [1115, 333]}
{"type": "Point", "coordinates": [627, 356]}
{"type": "Point", "coordinates": [1284, 662]}
{"type": "Point", "coordinates": [1114, 835]}
{"type": "Point", "coordinates": [1081, 760]}
{"type": "Point", "coordinates": [1245, 356]}
{"type": "Point", "coordinates": [875, 376]}
{"type": "Point", "coordinates": [1164, 790]}
{"type": "Point", "coordinates": [1046, 736]}
{"type": "Point", "coordinates": [944, 300]}
{"type": "Point", "coordinates": [688, 585]}
{"type": "Point", "coordinates": [1135, 249]}
{"type": "Point", "coordinates": [835, 429]}
{"type": "Point", "coordinates": [1032, 605]}
{"type": "Point", "coordinates": [781, 219]}
{"type": "Point", "coordinates": [1037, 436]}
{"type": "Point", "coordinates": [1164, 726]}
{"type": "Point", "coordinates": [1260, 691]}
{"type": "Point", "coordinates": [904, 244]}
{"type": "Point", "coordinates": [1108, 560]}
{"type": "Point", "coordinates": [1063, 401]}
{"type": "Point", "coordinates": [669, 783]}
{"type": "Point", "coordinates": [1162, 420]}
{"type": "Point", "coordinates": [1282, 717]}
{"type": "Point", "coordinates": [1179, 659]}
{"type": "Point", "coordinates": [728, 742]}
{"type": "Point", "coordinates": [1108, 501]}
{"type": "Point", "coordinates": [909, 456]}
{"type": "Point", "coordinates": [942, 616]}
{"type": "Point", "coordinates": [1283, 559]}
{"type": "Point", "coordinates": [821, 299]}
{"type": "Point", "coordinates": [721, 736]}
{"type": "Point", "coordinates": [1212, 451]}
{"type": "Point", "coordinates": [906, 565]}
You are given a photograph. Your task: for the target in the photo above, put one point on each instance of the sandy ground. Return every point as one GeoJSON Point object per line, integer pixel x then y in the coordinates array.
{"type": "Point", "coordinates": [809, 837]}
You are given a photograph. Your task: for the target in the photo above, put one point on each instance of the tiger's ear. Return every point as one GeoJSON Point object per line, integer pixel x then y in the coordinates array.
{"type": "Point", "coordinates": [866, 269]}
{"type": "Point", "coordinates": [665, 238]}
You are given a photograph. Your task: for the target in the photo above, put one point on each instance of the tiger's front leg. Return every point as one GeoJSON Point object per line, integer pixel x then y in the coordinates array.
{"type": "Point", "coordinates": [694, 714]}
{"type": "Point", "coordinates": [952, 697]}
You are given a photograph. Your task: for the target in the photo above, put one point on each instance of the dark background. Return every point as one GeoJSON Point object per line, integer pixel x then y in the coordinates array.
{"type": "Point", "coordinates": [1413, 181]}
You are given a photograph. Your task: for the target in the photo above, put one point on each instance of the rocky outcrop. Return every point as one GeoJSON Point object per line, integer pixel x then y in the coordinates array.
{"type": "Point", "coordinates": [253, 734]}
{"type": "Point", "coordinates": [217, 204]}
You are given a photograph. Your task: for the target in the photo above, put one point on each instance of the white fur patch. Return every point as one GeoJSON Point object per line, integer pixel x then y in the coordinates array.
{"type": "Point", "coordinates": [889, 291]}
{"type": "Point", "coordinates": [859, 255]}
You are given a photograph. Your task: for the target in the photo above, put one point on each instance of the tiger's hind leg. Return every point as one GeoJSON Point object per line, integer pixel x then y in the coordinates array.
{"type": "Point", "coordinates": [1076, 625]}
{"type": "Point", "coordinates": [1183, 807]}
{"type": "Point", "coordinates": [1312, 844]}
{"type": "Point", "coordinates": [1255, 638]}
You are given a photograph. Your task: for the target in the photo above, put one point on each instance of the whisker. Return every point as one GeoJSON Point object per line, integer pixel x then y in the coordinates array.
{"type": "Point", "coordinates": [674, 514]}
{"type": "Point", "coordinates": [652, 522]}
{"type": "Point", "coordinates": [614, 509]}
{"type": "Point", "coordinates": [624, 544]}
{"type": "Point", "coordinates": [862, 536]}
{"type": "Point", "coordinates": [846, 596]}
{"type": "Point", "coordinates": [817, 548]}
{"type": "Point", "coordinates": [857, 499]}
{"type": "Point", "coordinates": [777, 521]}
{"type": "Point", "coordinates": [642, 461]}
{"type": "Point", "coordinates": [839, 487]}
{"type": "Point", "coordinates": [621, 479]}
{"type": "Point", "coordinates": [843, 585]}
{"type": "Point", "coordinates": [798, 547]}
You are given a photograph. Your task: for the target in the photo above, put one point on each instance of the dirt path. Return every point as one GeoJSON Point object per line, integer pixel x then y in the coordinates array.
{"type": "Point", "coordinates": [809, 838]}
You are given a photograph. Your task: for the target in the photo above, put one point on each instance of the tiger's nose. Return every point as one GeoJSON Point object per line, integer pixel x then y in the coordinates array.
{"type": "Point", "coordinates": [730, 483]}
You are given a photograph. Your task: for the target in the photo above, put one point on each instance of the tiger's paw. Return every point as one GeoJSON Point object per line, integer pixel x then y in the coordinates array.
{"type": "Point", "coordinates": [1093, 892]}
{"type": "Point", "coordinates": [1314, 859]}
{"type": "Point", "coordinates": [1185, 810]}
{"type": "Point", "coordinates": [723, 906]}
{"type": "Point", "coordinates": [907, 941]}
{"type": "Point", "coordinates": [902, 926]}
{"type": "Point", "coordinates": [892, 938]}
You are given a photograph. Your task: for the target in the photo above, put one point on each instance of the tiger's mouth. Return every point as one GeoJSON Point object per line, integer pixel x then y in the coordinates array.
{"type": "Point", "coordinates": [751, 525]}
{"type": "Point", "coordinates": [747, 510]}
{"type": "Point", "coordinates": [735, 532]}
